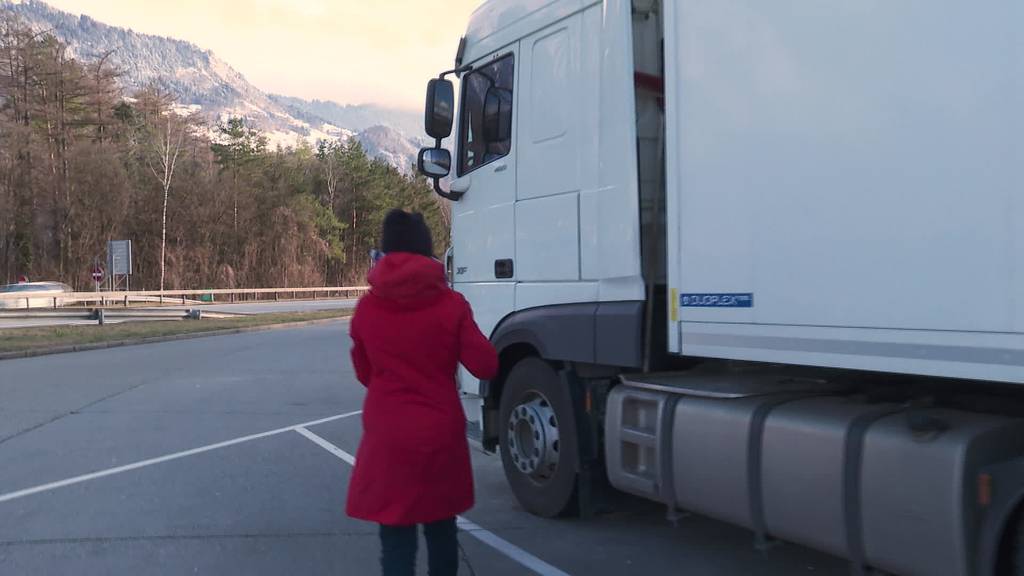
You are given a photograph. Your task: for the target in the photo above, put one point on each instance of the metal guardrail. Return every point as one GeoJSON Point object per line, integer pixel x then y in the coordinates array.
{"type": "Point", "coordinates": [44, 299]}
{"type": "Point", "coordinates": [101, 315]}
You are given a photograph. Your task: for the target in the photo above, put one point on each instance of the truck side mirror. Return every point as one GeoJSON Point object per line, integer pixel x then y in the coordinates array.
{"type": "Point", "coordinates": [440, 108]}
{"type": "Point", "coordinates": [497, 115]}
{"type": "Point", "coordinates": [434, 162]}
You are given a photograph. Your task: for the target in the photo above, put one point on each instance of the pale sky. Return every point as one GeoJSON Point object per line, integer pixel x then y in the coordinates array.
{"type": "Point", "coordinates": [350, 51]}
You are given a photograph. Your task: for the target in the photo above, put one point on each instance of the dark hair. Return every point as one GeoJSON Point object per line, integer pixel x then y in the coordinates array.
{"type": "Point", "coordinates": [406, 232]}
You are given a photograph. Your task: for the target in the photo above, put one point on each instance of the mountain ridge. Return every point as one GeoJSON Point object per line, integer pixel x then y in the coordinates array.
{"type": "Point", "coordinates": [356, 116]}
{"type": "Point", "coordinates": [197, 78]}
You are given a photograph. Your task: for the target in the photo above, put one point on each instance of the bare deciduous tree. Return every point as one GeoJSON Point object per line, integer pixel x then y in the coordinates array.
{"type": "Point", "coordinates": [329, 154]}
{"type": "Point", "coordinates": [164, 141]}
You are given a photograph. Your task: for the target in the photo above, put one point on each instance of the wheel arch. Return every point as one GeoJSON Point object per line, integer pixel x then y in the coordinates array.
{"type": "Point", "coordinates": [592, 333]}
{"type": "Point", "coordinates": [998, 521]}
{"type": "Point", "coordinates": [508, 356]}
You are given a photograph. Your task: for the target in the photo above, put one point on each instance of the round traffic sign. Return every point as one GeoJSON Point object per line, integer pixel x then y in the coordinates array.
{"type": "Point", "coordinates": [97, 274]}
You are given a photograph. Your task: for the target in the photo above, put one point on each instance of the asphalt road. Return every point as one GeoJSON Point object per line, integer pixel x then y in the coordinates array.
{"type": "Point", "coordinates": [184, 457]}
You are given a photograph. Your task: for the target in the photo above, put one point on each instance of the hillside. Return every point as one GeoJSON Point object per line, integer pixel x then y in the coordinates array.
{"type": "Point", "coordinates": [390, 145]}
{"type": "Point", "coordinates": [356, 117]}
{"type": "Point", "coordinates": [198, 79]}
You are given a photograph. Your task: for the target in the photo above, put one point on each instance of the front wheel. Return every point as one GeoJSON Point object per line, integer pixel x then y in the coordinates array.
{"type": "Point", "coordinates": [1012, 553]}
{"type": "Point", "coordinates": [539, 447]}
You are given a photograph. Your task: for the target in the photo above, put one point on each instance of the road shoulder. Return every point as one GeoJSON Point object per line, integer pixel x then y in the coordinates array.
{"type": "Point", "coordinates": [188, 332]}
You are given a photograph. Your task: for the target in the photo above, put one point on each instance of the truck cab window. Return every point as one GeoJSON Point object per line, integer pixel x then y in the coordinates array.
{"type": "Point", "coordinates": [475, 149]}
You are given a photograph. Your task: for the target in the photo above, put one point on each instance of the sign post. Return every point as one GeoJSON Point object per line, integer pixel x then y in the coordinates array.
{"type": "Point", "coordinates": [119, 261]}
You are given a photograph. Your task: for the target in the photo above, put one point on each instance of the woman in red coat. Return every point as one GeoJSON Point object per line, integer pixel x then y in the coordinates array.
{"type": "Point", "coordinates": [409, 334]}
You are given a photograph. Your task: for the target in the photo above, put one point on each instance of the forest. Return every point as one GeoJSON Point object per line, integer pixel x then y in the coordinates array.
{"type": "Point", "coordinates": [205, 204]}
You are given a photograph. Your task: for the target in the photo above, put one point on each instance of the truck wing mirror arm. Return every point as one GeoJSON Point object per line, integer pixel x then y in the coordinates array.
{"type": "Point", "coordinates": [451, 195]}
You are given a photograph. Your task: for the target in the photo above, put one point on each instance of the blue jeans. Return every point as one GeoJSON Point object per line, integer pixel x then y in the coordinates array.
{"type": "Point", "coordinates": [399, 543]}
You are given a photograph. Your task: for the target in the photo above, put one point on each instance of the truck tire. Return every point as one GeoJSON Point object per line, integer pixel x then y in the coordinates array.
{"type": "Point", "coordinates": [1010, 561]}
{"type": "Point", "coordinates": [1016, 543]}
{"type": "Point", "coordinates": [537, 435]}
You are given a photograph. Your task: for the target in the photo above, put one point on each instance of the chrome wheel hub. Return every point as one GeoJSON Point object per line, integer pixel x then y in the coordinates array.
{"type": "Point", "coordinates": [533, 438]}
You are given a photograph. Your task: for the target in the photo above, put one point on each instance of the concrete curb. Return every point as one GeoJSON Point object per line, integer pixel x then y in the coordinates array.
{"type": "Point", "coordinates": [170, 338]}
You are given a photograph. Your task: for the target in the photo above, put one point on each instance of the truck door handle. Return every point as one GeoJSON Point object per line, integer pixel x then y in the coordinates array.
{"type": "Point", "coordinates": [449, 260]}
{"type": "Point", "coordinates": [504, 268]}
{"type": "Point", "coordinates": [500, 167]}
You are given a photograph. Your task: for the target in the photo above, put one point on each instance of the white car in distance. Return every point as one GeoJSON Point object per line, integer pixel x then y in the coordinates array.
{"type": "Point", "coordinates": [34, 295]}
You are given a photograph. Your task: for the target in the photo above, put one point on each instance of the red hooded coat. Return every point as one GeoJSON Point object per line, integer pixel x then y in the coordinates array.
{"type": "Point", "coordinates": [409, 334]}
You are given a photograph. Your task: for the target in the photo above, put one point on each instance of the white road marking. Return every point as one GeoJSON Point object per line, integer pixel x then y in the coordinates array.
{"type": "Point", "coordinates": [348, 458]}
{"type": "Point", "coordinates": [508, 549]}
{"type": "Point", "coordinates": [489, 538]}
{"type": "Point", "coordinates": [161, 459]}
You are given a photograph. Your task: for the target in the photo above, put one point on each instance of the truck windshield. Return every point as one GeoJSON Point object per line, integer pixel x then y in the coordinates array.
{"type": "Point", "coordinates": [474, 150]}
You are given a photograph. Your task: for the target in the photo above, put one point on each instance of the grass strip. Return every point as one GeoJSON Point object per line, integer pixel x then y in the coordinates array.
{"type": "Point", "coordinates": [44, 337]}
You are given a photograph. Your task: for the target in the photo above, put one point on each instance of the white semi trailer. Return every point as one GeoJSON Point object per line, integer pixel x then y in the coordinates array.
{"type": "Point", "coordinates": [763, 261]}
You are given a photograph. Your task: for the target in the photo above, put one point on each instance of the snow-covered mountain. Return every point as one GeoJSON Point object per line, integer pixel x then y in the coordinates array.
{"type": "Point", "coordinates": [356, 117]}
{"type": "Point", "coordinates": [201, 81]}
{"type": "Point", "coordinates": [389, 145]}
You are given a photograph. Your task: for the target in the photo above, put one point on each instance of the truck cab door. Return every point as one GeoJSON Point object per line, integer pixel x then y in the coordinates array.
{"type": "Point", "coordinates": [483, 223]}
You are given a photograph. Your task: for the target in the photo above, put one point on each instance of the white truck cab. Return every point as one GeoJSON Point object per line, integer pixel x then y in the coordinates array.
{"type": "Point", "coordinates": [736, 252]}
{"type": "Point", "coordinates": [543, 217]}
